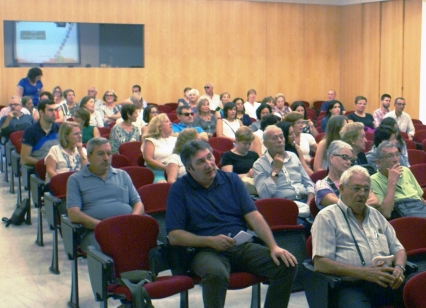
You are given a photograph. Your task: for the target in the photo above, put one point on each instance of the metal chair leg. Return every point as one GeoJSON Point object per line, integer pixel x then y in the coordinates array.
{"type": "Point", "coordinates": [255, 296]}
{"type": "Point", "coordinates": [54, 267]}
{"type": "Point", "coordinates": [74, 302]}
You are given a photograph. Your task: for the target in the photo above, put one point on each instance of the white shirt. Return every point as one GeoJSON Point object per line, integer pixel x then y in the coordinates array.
{"type": "Point", "coordinates": [213, 101]}
{"type": "Point", "coordinates": [251, 109]}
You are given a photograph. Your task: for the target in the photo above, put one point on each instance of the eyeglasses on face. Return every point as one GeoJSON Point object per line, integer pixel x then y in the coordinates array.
{"type": "Point", "coordinates": [109, 95]}
{"type": "Point", "coordinates": [401, 104]}
{"type": "Point", "coordinates": [343, 156]}
{"type": "Point", "coordinates": [14, 105]}
{"type": "Point", "coordinates": [391, 155]}
{"type": "Point", "coordinates": [364, 189]}
{"type": "Point", "coordinates": [187, 114]}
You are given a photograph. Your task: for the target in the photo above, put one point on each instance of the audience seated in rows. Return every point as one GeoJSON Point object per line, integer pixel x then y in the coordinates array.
{"type": "Point", "coordinates": [125, 131]}
{"type": "Point", "coordinates": [69, 154]}
{"type": "Point", "coordinates": [334, 109]}
{"type": "Point", "coordinates": [333, 234]}
{"type": "Point", "coordinates": [360, 115]}
{"type": "Point", "coordinates": [309, 127]}
{"type": "Point", "coordinates": [396, 187]}
{"type": "Point", "coordinates": [240, 159]}
{"type": "Point", "coordinates": [174, 167]}
{"type": "Point", "coordinates": [82, 117]}
{"type": "Point", "coordinates": [186, 119]}
{"type": "Point", "coordinates": [402, 118]}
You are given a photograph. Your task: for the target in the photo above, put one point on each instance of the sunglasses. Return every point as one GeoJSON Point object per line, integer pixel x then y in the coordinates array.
{"type": "Point", "coordinates": [206, 87]}
{"type": "Point", "coordinates": [187, 114]}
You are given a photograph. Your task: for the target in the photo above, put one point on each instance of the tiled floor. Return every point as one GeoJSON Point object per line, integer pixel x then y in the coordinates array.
{"type": "Point", "coordinates": [26, 281]}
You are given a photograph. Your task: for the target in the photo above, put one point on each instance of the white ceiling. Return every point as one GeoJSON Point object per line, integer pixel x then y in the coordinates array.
{"type": "Point", "coordinates": [325, 2]}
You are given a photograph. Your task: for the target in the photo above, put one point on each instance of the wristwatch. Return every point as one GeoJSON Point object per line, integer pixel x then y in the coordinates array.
{"type": "Point", "coordinates": [274, 174]}
{"type": "Point", "coordinates": [401, 266]}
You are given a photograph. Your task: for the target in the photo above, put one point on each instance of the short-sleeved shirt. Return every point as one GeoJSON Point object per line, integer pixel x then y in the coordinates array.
{"type": "Point", "coordinates": [368, 120]}
{"type": "Point", "coordinates": [35, 137]}
{"type": "Point", "coordinates": [30, 90]}
{"type": "Point", "coordinates": [219, 209]}
{"type": "Point", "coordinates": [404, 122]}
{"type": "Point", "coordinates": [101, 198]}
{"type": "Point", "coordinates": [24, 119]}
{"type": "Point", "coordinates": [177, 128]}
{"type": "Point", "coordinates": [175, 159]}
{"type": "Point", "coordinates": [306, 140]}
{"type": "Point", "coordinates": [323, 188]}
{"type": "Point", "coordinates": [163, 148]}
{"type": "Point", "coordinates": [240, 164]}
{"type": "Point", "coordinates": [332, 239]}
{"type": "Point", "coordinates": [64, 162]}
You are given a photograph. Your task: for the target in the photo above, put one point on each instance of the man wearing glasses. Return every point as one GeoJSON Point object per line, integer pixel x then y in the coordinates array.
{"type": "Point", "coordinates": [340, 228]}
{"type": "Point", "coordinates": [15, 119]}
{"type": "Point", "coordinates": [396, 187]}
{"type": "Point", "coordinates": [402, 118]}
{"type": "Point", "coordinates": [186, 117]}
{"type": "Point", "coordinates": [214, 99]}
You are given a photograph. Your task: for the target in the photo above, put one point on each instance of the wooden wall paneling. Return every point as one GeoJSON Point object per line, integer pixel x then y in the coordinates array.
{"type": "Point", "coordinates": [322, 53]}
{"type": "Point", "coordinates": [371, 55]}
{"type": "Point", "coordinates": [286, 71]}
{"type": "Point", "coordinates": [412, 55]}
{"type": "Point", "coordinates": [351, 68]}
{"type": "Point", "coordinates": [391, 55]}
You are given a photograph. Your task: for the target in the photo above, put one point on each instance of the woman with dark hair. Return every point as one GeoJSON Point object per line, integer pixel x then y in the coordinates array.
{"type": "Point", "coordinates": [58, 96]}
{"type": "Point", "coordinates": [82, 117]}
{"type": "Point", "coordinates": [263, 110]}
{"type": "Point", "coordinates": [241, 111]}
{"type": "Point", "coordinates": [332, 131]}
{"type": "Point", "coordinates": [125, 131]}
{"type": "Point", "coordinates": [185, 100]}
{"type": "Point", "coordinates": [110, 111]}
{"type": "Point", "coordinates": [149, 112]}
{"type": "Point", "coordinates": [360, 115]}
{"type": "Point", "coordinates": [27, 102]}
{"type": "Point", "coordinates": [309, 127]}
{"type": "Point", "coordinates": [228, 125]}
{"type": "Point", "coordinates": [88, 104]}
{"type": "Point", "coordinates": [291, 146]}
{"type": "Point", "coordinates": [31, 85]}
{"type": "Point", "coordinates": [334, 108]}
{"type": "Point", "coordinates": [399, 140]}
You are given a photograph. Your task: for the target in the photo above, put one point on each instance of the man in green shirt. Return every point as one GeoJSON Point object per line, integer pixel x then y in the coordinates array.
{"type": "Point", "coordinates": [394, 183]}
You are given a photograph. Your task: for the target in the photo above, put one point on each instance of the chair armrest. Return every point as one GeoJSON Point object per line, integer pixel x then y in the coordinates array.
{"type": "Point", "coordinates": [27, 170]}
{"type": "Point", "coordinates": [71, 236]}
{"type": "Point", "coordinates": [332, 280]}
{"type": "Point", "coordinates": [101, 272]}
{"type": "Point", "coordinates": [410, 268]}
{"type": "Point", "coordinates": [37, 189]}
{"type": "Point", "coordinates": [15, 160]}
{"type": "Point", "coordinates": [50, 206]}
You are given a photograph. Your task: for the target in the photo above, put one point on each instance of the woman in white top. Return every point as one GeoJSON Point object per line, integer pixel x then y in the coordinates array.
{"type": "Point", "coordinates": [88, 104]}
{"type": "Point", "coordinates": [251, 105]}
{"type": "Point", "coordinates": [227, 126]}
{"type": "Point", "coordinates": [306, 142]}
{"type": "Point", "coordinates": [69, 154]}
{"type": "Point", "coordinates": [158, 144]}
{"type": "Point", "coordinates": [175, 168]}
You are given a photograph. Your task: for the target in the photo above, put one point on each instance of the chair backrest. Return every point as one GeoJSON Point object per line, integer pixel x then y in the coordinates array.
{"type": "Point", "coordinates": [311, 113]}
{"type": "Point", "coordinates": [221, 144]}
{"type": "Point", "coordinates": [172, 105]}
{"type": "Point", "coordinates": [416, 157]}
{"type": "Point", "coordinates": [58, 184]}
{"type": "Point", "coordinates": [313, 208]}
{"type": "Point", "coordinates": [164, 108]}
{"type": "Point", "coordinates": [40, 169]}
{"type": "Point", "coordinates": [279, 213]}
{"type": "Point", "coordinates": [309, 247]}
{"type": "Point", "coordinates": [127, 239]}
{"type": "Point", "coordinates": [411, 232]}
{"type": "Point", "coordinates": [104, 131]}
{"type": "Point", "coordinates": [318, 175]}
{"type": "Point", "coordinates": [317, 105]}
{"type": "Point", "coordinates": [319, 137]}
{"type": "Point", "coordinates": [217, 157]}
{"type": "Point", "coordinates": [131, 150]}
{"type": "Point", "coordinates": [416, 121]}
{"type": "Point", "coordinates": [141, 161]}
{"type": "Point", "coordinates": [140, 176]}
{"type": "Point", "coordinates": [16, 139]}
{"type": "Point", "coordinates": [404, 135]}
{"type": "Point", "coordinates": [419, 172]}
{"type": "Point", "coordinates": [369, 135]}
{"type": "Point", "coordinates": [419, 136]}
{"type": "Point", "coordinates": [172, 116]}
{"type": "Point", "coordinates": [119, 161]}
{"type": "Point", "coordinates": [418, 126]}
{"type": "Point", "coordinates": [414, 291]}
{"type": "Point", "coordinates": [410, 144]}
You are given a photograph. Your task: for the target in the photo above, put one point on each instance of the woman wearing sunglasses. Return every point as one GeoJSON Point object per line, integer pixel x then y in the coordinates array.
{"type": "Point", "coordinates": [339, 155]}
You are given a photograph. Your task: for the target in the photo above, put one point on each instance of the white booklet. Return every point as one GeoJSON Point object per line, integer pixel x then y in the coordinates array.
{"type": "Point", "coordinates": [242, 237]}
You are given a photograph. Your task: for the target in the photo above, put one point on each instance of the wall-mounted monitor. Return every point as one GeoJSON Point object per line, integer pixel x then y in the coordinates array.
{"type": "Point", "coordinates": [69, 44]}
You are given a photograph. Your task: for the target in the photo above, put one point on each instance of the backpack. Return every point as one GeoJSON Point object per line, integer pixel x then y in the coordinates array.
{"type": "Point", "coordinates": [18, 216]}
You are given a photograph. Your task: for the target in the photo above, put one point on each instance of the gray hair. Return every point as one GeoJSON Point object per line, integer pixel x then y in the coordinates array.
{"type": "Point", "coordinates": [350, 131]}
{"type": "Point", "coordinates": [191, 148]}
{"type": "Point", "coordinates": [385, 144]}
{"type": "Point", "coordinates": [344, 179]}
{"type": "Point", "coordinates": [197, 93]}
{"type": "Point", "coordinates": [335, 147]}
{"type": "Point", "coordinates": [268, 129]}
{"type": "Point", "coordinates": [95, 142]}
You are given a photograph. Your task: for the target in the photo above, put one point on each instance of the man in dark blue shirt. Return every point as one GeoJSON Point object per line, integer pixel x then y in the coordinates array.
{"type": "Point", "coordinates": [205, 209]}
{"type": "Point", "coordinates": [15, 119]}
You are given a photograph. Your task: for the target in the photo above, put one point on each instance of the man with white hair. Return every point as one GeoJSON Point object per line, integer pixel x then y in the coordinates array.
{"type": "Point", "coordinates": [214, 99]}
{"type": "Point", "coordinates": [93, 91]}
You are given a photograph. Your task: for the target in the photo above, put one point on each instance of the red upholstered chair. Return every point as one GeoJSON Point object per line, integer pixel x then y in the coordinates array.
{"type": "Point", "coordinates": [126, 242]}
{"type": "Point", "coordinates": [318, 175]}
{"type": "Point", "coordinates": [104, 131]}
{"type": "Point", "coordinates": [419, 172]}
{"type": "Point", "coordinates": [281, 216]}
{"type": "Point", "coordinates": [172, 105]}
{"type": "Point", "coordinates": [404, 135]}
{"type": "Point", "coordinates": [164, 108]}
{"type": "Point", "coordinates": [317, 105]}
{"type": "Point", "coordinates": [416, 157]}
{"type": "Point", "coordinates": [369, 136]}
{"type": "Point", "coordinates": [311, 113]}
{"type": "Point", "coordinates": [411, 232]}
{"type": "Point", "coordinates": [416, 121]}
{"type": "Point", "coordinates": [172, 116]}
{"type": "Point", "coordinates": [131, 150]}
{"type": "Point", "coordinates": [141, 161]}
{"type": "Point", "coordinates": [313, 208]}
{"type": "Point", "coordinates": [217, 157]}
{"type": "Point", "coordinates": [221, 144]}
{"type": "Point", "coordinates": [419, 136]}
{"type": "Point", "coordinates": [319, 137]}
{"type": "Point", "coordinates": [410, 144]}
{"type": "Point", "coordinates": [414, 291]}
{"type": "Point", "coordinates": [368, 146]}
{"type": "Point", "coordinates": [418, 126]}
{"type": "Point", "coordinates": [119, 161]}
{"type": "Point", "coordinates": [140, 175]}
{"type": "Point", "coordinates": [37, 191]}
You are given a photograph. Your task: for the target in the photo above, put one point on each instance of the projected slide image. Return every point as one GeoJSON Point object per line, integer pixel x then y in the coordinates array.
{"type": "Point", "coordinates": [46, 42]}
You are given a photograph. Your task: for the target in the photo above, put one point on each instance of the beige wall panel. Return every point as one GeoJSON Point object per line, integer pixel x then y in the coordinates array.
{"type": "Point", "coordinates": [371, 55]}
{"type": "Point", "coordinates": [322, 55]}
{"type": "Point", "coordinates": [411, 57]}
{"type": "Point", "coordinates": [391, 57]}
{"type": "Point", "coordinates": [351, 55]}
